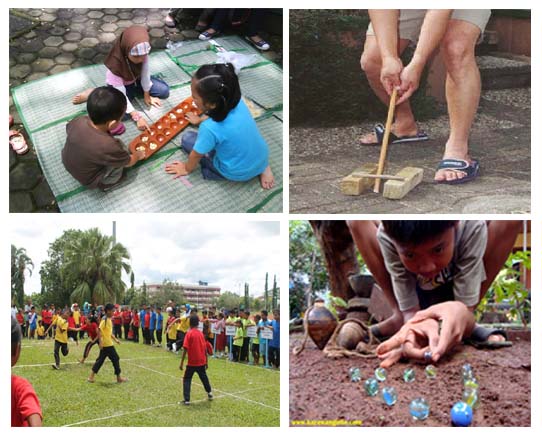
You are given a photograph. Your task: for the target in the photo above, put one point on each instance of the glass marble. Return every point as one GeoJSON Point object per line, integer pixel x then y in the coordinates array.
{"type": "Point", "coordinates": [388, 395]}
{"type": "Point", "coordinates": [419, 409]}
{"type": "Point", "coordinates": [355, 375]}
{"type": "Point", "coordinates": [466, 372]}
{"type": "Point", "coordinates": [371, 386]}
{"type": "Point", "coordinates": [409, 375]}
{"type": "Point", "coordinates": [430, 371]}
{"type": "Point", "coordinates": [461, 414]}
{"type": "Point", "coordinates": [381, 374]}
{"type": "Point", "coordinates": [471, 383]}
{"type": "Point", "coordinates": [471, 397]}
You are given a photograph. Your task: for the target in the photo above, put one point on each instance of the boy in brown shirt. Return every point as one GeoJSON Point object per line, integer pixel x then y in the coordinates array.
{"type": "Point", "coordinates": [91, 154]}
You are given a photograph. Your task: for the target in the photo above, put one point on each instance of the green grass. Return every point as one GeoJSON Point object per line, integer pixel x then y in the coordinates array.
{"type": "Point", "coordinates": [244, 395]}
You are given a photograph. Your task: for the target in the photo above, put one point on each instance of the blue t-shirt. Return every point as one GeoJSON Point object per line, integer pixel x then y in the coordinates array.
{"type": "Point", "coordinates": [159, 320]}
{"type": "Point", "coordinates": [152, 321]}
{"type": "Point", "coordinates": [241, 151]}
{"type": "Point", "coordinates": [33, 321]}
{"type": "Point", "coordinates": [275, 342]}
{"type": "Point", "coordinates": [142, 313]}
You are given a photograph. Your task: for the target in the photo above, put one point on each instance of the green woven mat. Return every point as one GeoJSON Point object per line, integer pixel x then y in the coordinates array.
{"type": "Point", "coordinates": [45, 107]}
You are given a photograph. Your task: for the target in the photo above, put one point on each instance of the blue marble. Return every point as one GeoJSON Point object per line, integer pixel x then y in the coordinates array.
{"type": "Point", "coordinates": [461, 414]}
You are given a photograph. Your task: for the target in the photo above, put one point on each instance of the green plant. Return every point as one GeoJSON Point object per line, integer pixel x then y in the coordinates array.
{"type": "Point", "coordinates": [332, 303]}
{"type": "Point", "coordinates": [507, 288]}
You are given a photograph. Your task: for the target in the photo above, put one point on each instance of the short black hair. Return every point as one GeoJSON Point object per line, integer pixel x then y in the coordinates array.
{"type": "Point", "coordinates": [194, 321]}
{"type": "Point", "coordinates": [106, 104]}
{"type": "Point", "coordinates": [16, 335]}
{"type": "Point", "coordinates": [218, 85]}
{"type": "Point", "coordinates": [415, 232]}
{"type": "Point", "coordinates": [264, 312]}
{"type": "Point", "coordinates": [109, 306]}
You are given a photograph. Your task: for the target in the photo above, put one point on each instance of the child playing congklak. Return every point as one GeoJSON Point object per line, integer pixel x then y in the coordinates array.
{"type": "Point", "coordinates": [198, 350]}
{"type": "Point", "coordinates": [25, 405]}
{"type": "Point", "coordinates": [433, 271]}
{"type": "Point", "coordinates": [228, 145]}
{"type": "Point", "coordinates": [107, 350]}
{"type": "Point", "coordinates": [91, 154]}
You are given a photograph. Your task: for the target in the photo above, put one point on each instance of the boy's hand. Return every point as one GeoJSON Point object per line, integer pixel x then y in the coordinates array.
{"type": "Point", "coordinates": [390, 73]}
{"type": "Point", "coordinates": [177, 168]}
{"type": "Point", "coordinates": [152, 101]}
{"type": "Point", "coordinates": [140, 154]}
{"type": "Point", "coordinates": [181, 366]}
{"type": "Point", "coordinates": [193, 118]}
{"type": "Point", "coordinates": [457, 322]}
{"type": "Point", "coordinates": [142, 125]}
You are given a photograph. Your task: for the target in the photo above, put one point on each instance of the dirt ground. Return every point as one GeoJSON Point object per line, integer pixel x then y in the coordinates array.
{"type": "Point", "coordinates": [321, 390]}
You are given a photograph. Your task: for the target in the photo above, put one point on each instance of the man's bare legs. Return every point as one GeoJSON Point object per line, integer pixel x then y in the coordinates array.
{"type": "Point", "coordinates": [463, 87]}
{"type": "Point", "coordinates": [371, 64]}
{"type": "Point", "coordinates": [364, 235]}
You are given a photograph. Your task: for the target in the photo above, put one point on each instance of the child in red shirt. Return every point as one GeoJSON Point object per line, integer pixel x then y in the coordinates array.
{"type": "Point", "coordinates": [135, 325]}
{"type": "Point", "coordinates": [25, 405]}
{"type": "Point", "coordinates": [198, 349]}
{"type": "Point", "coordinates": [91, 327]}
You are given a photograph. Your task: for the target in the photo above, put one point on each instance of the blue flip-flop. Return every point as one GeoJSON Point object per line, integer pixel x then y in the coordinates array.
{"type": "Point", "coordinates": [379, 130]}
{"type": "Point", "coordinates": [472, 170]}
{"type": "Point", "coordinates": [479, 338]}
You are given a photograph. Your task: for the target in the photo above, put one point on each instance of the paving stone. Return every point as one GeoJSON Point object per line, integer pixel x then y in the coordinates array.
{"type": "Point", "coordinates": [20, 202]}
{"type": "Point", "coordinates": [35, 12]}
{"type": "Point", "coordinates": [123, 24]}
{"type": "Point", "coordinates": [57, 31]}
{"type": "Point", "coordinates": [80, 11]}
{"type": "Point", "coordinates": [26, 57]}
{"type": "Point", "coordinates": [109, 27]}
{"type": "Point", "coordinates": [99, 58]}
{"type": "Point", "coordinates": [176, 37]}
{"type": "Point", "coordinates": [48, 18]}
{"type": "Point", "coordinates": [25, 176]}
{"type": "Point", "coordinates": [85, 53]}
{"type": "Point", "coordinates": [31, 34]}
{"type": "Point", "coordinates": [139, 20]}
{"type": "Point", "coordinates": [36, 76]}
{"type": "Point", "coordinates": [88, 42]}
{"type": "Point", "coordinates": [155, 23]}
{"type": "Point", "coordinates": [157, 33]}
{"type": "Point", "coordinates": [12, 62]}
{"type": "Point", "coordinates": [49, 52]}
{"type": "Point", "coordinates": [72, 36]}
{"type": "Point", "coordinates": [59, 68]}
{"type": "Point", "coordinates": [19, 71]}
{"type": "Point", "coordinates": [79, 19]}
{"type": "Point", "coordinates": [42, 65]}
{"type": "Point", "coordinates": [125, 15]}
{"type": "Point", "coordinates": [111, 11]}
{"type": "Point", "coordinates": [107, 37]}
{"type": "Point", "coordinates": [103, 48]}
{"type": "Point", "coordinates": [95, 15]}
{"type": "Point", "coordinates": [81, 62]}
{"type": "Point", "coordinates": [32, 45]}
{"type": "Point", "coordinates": [90, 32]}
{"type": "Point", "coordinates": [69, 47]}
{"type": "Point", "coordinates": [157, 16]}
{"type": "Point", "coordinates": [53, 41]}
{"type": "Point", "coordinates": [109, 19]}
{"type": "Point", "coordinates": [14, 83]}
{"type": "Point", "coordinates": [77, 27]}
{"type": "Point", "coordinates": [64, 14]}
{"type": "Point", "coordinates": [65, 59]}
{"type": "Point", "coordinates": [50, 10]}
{"type": "Point", "coordinates": [43, 196]}
{"type": "Point", "coordinates": [158, 43]}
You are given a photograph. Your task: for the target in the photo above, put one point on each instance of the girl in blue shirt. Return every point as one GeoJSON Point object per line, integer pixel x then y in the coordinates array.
{"type": "Point", "coordinates": [228, 144]}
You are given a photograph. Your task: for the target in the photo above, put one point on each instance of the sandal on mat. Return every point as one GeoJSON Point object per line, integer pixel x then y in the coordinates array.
{"type": "Point", "coordinates": [479, 338]}
{"type": "Point", "coordinates": [205, 36]}
{"type": "Point", "coordinates": [379, 131]}
{"type": "Point", "coordinates": [472, 170]}
{"type": "Point", "coordinates": [17, 142]}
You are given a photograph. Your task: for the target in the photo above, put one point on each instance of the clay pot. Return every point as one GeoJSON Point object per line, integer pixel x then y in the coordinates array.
{"type": "Point", "coordinates": [320, 323]}
{"type": "Point", "coordinates": [350, 335]}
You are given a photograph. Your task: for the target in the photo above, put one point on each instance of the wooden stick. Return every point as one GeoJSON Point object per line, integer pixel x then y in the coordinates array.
{"type": "Point", "coordinates": [385, 177]}
{"type": "Point", "coordinates": [384, 149]}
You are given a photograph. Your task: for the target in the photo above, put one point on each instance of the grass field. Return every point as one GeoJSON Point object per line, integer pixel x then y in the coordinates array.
{"type": "Point", "coordinates": [243, 395]}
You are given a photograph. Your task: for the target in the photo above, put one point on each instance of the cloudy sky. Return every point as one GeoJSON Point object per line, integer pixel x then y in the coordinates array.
{"type": "Point", "coordinates": [222, 251]}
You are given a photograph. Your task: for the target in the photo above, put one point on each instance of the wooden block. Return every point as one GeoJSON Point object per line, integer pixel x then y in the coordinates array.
{"type": "Point", "coordinates": [399, 189]}
{"type": "Point", "coordinates": [354, 184]}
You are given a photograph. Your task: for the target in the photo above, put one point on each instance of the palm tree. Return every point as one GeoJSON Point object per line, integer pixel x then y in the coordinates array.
{"type": "Point", "coordinates": [20, 262]}
{"type": "Point", "coordinates": [94, 263]}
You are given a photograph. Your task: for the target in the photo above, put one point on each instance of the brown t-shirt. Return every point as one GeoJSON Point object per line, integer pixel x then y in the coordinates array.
{"type": "Point", "coordinates": [88, 152]}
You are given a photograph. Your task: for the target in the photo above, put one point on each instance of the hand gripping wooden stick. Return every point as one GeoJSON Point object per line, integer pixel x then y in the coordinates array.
{"type": "Point", "coordinates": [384, 149]}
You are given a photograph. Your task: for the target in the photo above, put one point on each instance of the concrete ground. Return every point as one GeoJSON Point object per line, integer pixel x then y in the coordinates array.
{"type": "Point", "coordinates": [48, 41]}
{"type": "Point", "coordinates": [500, 141]}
